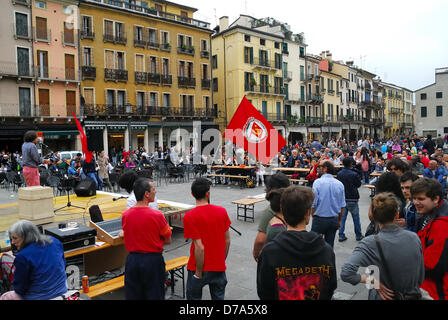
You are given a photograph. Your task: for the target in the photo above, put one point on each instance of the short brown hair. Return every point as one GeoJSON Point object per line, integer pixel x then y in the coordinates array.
{"type": "Point", "coordinates": [384, 207]}
{"type": "Point", "coordinates": [430, 187]}
{"type": "Point", "coordinates": [294, 203]}
{"type": "Point", "coordinates": [273, 197]}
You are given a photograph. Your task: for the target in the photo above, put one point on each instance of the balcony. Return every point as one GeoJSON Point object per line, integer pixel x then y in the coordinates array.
{"type": "Point", "coordinates": [265, 64]}
{"type": "Point", "coordinates": [287, 76]}
{"type": "Point", "coordinates": [141, 77]}
{"type": "Point", "coordinates": [165, 47]}
{"type": "Point", "coordinates": [140, 43]}
{"type": "Point", "coordinates": [264, 89]}
{"type": "Point", "coordinates": [309, 77]}
{"type": "Point", "coordinates": [205, 84]}
{"type": "Point", "coordinates": [291, 98]}
{"type": "Point", "coordinates": [167, 79]}
{"type": "Point", "coordinates": [117, 39]}
{"type": "Point", "coordinates": [205, 54]}
{"type": "Point", "coordinates": [132, 7]}
{"type": "Point", "coordinates": [15, 70]}
{"type": "Point", "coordinates": [154, 78]}
{"type": "Point", "coordinates": [87, 34]}
{"type": "Point", "coordinates": [184, 82]}
{"type": "Point", "coordinates": [186, 50]}
{"type": "Point", "coordinates": [276, 117]}
{"type": "Point", "coordinates": [88, 72]}
{"type": "Point", "coordinates": [22, 2]}
{"type": "Point", "coordinates": [153, 44]}
{"type": "Point", "coordinates": [315, 99]}
{"type": "Point", "coordinates": [115, 75]}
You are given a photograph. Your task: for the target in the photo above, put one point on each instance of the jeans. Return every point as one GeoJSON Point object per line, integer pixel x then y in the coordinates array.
{"type": "Point", "coordinates": [216, 280]}
{"type": "Point", "coordinates": [353, 207]}
{"type": "Point", "coordinates": [94, 176]}
{"type": "Point", "coordinates": [366, 176]}
{"type": "Point", "coordinates": [326, 227]}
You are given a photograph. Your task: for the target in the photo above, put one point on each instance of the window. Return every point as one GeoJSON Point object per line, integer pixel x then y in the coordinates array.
{"type": "Point", "coordinates": [439, 111]}
{"type": "Point", "coordinates": [206, 102]}
{"type": "Point", "coordinates": [40, 4]}
{"type": "Point", "coordinates": [67, 10]}
{"type": "Point", "coordinates": [204, 45]}
{"type": "Point", "coordinates": [248, 55]}
{"type": "Point", "coordinates": [152, 33]}
{"type": "Point", "coordinates": [87, 56]}
{"type": "Point", "coordinates": [423, 112]}
{"type": "Point", "coordinates": [215, 62]}
{"type": "Point", "coordinates": [246, 38]}
{"type": "Point", "coordinates": [166, 99]}
{"type": "Point", "coordinates": [21, 25]}
{"type": "Point", "coordinates": [87, 26]}
{"type": "Point", "coordinates": [277, 45]}
{"type": "Point", "coordinates": [23, 61]}
{"type": "Point", "coordinates": [262, 42]}
{"type": "Point", "coordinates": [153, 99]}
{"type": "Point", "coordinates": [138, 33]}
{"type": "Point", "coordinates": [165, 66]}
{"type": "Point", "coordinates": [165, 37]}
{"type": "Point", "coordinates": [152, 68]}
{"type": "Point", "coordinates": [205, 72]}
{"type": "Point", "coordinates": [139, 63]}
{"type": "Point", "coordinates": [120, 61]}
{"type": "Point", "coordinates": [302, 52]}
{"type": "Point", "coordinates": [422, 96]}
{"type": "Point", "coordinates": [439, 95]}
{"type": "Point", "coordinates": [41, 29]}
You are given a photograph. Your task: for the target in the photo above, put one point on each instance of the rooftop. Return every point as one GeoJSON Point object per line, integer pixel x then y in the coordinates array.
{"type": "Point", "coordinates": [124, 5]}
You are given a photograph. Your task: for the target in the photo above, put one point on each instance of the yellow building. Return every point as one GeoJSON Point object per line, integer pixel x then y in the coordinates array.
{"type": "Point", "coordinates": [146, 71]}
{"type": "Point", "coordinates": [394, 111]}
{"type": "Point", "coordinates": [247, 61]}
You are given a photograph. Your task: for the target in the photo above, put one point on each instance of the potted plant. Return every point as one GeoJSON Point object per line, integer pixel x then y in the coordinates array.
{"type": "Point", "coordinates": [191, 48]}
{"type": "Point", "coordinates": [253, 82]}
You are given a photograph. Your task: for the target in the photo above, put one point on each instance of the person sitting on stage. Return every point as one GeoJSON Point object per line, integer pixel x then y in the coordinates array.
{"type": "Point", "coordinates": [39, 265]}
{"type": "Point", "coordinates": [126, 182]}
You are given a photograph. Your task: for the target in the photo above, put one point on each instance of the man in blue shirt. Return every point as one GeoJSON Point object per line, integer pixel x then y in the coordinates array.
{"type": "Point", "coordinates": [292, 159]}
{"type": "Point", "coordinates": [329, 202]}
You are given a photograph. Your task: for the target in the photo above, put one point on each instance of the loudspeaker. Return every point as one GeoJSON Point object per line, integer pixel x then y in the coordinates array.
{"type": "Point", "coordinates": [94, 140]}
{"type": "Point", "coordinates": [95, 214]}
{"type": "Point", "coordinates": [86, 188]}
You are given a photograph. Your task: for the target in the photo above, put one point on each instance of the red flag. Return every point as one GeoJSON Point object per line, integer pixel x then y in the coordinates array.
{"type": "Point", "coordinates": [251, 131]}
{"type": "Point", "coordinates": [82, 136]}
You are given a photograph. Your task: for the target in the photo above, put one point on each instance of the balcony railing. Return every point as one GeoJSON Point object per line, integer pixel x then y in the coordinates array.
{"type": "Point", "coordinates": [205, 54]}
{"type": "Point", "coordinates": [186, 82]}
{"type": "Point", "coordinates": [287, 75]}
{"type": "Point", "coordinates": [140, 43]}
{"type": "Point", "coordinates": [88, 72]}
{"type": "Point", "coordinates": [205, 84]}
{"type": "Point", "coordinates": [264, 89]}
{"type": "Point", "coordinates": [153, 44]}
{"type": "Point", "coordinates": [115, 75]}
{"type": "Point", "coordinates": [167, 79]}
{"type": "Point", "coordinates": [295, 98]}
{"type": "Point", "coordinates": [312, 98]}
{"type": "Point", "coordinates": [276, 117]}
{"type": "Point", "coordinates": [165, 47]}
{"type": "Point", "coordinates": [121, 38]}
{"type": "Point", "coordinates": [266, 63]}
{"type": "Point", "coordinates": [145, 110]}
{"type": "Point", "coordinates": [14, 69]}
{"type": "Point", "coordinates": [154, 78]}
{"type": "Point", "coordinates": [87, 34]}
{"type": "Point", "coordinates": [141, 77]}
{"type": "Point", "coordinates": [152, 12]}
{"type": "Point", "coordinates": [186, 50]}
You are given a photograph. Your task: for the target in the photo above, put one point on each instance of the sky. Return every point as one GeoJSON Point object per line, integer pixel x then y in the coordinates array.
{"type": "Point", "coordinates": [401, 41]}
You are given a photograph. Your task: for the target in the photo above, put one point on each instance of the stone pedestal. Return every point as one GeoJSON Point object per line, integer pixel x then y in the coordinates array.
{"type": "Point", "coordinates": [36, 204]}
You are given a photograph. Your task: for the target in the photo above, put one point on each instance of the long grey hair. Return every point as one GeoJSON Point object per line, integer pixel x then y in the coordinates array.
{"type": "Point", "coordinates": [27, 231]}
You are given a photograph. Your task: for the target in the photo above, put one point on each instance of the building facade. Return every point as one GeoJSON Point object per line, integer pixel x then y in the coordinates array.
{"type": "Point", "coordinates": [394, 111]}
{"type": "Point", "coordinates": [146, 72]}
{"type": "Point", "coordinates": [38, 72]}
{"type": "Point", "coordinates": [247, 61]}
{"type": "Point", "coordinates": [431, 104]}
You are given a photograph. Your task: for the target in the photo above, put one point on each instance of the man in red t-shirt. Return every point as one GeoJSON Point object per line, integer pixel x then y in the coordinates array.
{"type": "Point", "coordinates": [145, 231]}
{"type": "Point", "coordinates": [208, 227]}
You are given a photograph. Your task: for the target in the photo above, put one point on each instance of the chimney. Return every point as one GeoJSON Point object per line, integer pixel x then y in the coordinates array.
{"type": "Point", "coordinates": [223, 23]}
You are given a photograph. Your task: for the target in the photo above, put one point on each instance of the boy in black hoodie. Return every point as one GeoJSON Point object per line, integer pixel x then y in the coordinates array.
{"type": "Point", "coordinates": [296, 265]}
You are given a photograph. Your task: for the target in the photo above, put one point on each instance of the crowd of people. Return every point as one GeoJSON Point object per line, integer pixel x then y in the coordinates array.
{"type": "Point", "coordinates": [406, 238]}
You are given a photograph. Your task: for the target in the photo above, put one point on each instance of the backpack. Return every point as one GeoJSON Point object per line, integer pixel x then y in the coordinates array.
{"type": "Point", "coordinates": [7, 269]}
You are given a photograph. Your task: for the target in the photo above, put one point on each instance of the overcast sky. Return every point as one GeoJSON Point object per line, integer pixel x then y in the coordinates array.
{"type": "Point", "coordinates": [402, 41]}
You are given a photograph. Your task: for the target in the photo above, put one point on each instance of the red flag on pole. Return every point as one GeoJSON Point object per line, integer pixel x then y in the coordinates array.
{"type": "Point", "coordinates": [82, 136]}
{"type": "Point", "coordinates": [249, 130]}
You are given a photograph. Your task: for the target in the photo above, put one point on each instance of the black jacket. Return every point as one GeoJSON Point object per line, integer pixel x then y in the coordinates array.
{"type": "Point", "coordinates": [351, 181]}
{"type": "Point", "coordinates": [296, 265]}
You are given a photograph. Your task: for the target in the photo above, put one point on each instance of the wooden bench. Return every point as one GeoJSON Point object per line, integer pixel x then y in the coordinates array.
{"type": "Point", "coordinates": [372, 189]}
{"type": "Point", "coordinates": [242, 181]}
{"type": "Point", "coordinates": [298, 180]}
{"type": "Point", "coordinates": [248, 206]}
{"type": "Point", "coordinates": [174, 267]}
